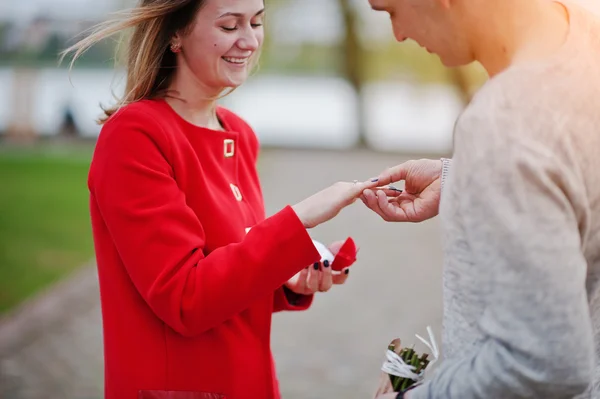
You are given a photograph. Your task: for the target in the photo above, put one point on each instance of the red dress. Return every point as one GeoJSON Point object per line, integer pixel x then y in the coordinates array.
{"type": "Point", "coordinates": [187, 290]}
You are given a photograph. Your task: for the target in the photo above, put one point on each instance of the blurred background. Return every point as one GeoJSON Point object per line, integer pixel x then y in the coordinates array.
{"type": "Point", "coordinates": [336, 98]}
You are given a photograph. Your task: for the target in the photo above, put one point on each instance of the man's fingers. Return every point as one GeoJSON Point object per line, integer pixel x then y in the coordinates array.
{"type": "Point", "coordinates": [369, 198]}
{"type": "Point", "coordinates": [394, 174]}
{"type": "Point", "coordinates": [391, 210]}
{"type": "Point", "coordinates": [373, 204]}
{"type": "Point", "coordinates": [363, 198]}
{"type": "Point", "coordinates": [390, 192]}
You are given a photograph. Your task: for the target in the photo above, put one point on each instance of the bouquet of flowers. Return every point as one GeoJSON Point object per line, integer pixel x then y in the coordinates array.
{"type": "Point", "coordinates": [404, 367]}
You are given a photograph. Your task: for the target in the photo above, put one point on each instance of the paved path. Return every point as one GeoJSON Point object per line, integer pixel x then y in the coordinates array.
{"type": "Point", "coordinates": [53, 348]}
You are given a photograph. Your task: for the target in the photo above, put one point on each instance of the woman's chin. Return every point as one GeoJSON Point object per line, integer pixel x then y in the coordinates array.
{"type": "Point", "coordinates": [235, 80]}
{"type": "Point", "coordinates": [227, 83]}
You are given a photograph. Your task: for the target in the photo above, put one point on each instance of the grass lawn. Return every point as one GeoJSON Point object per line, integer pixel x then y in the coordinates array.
{"type": "Point", "coordinates": [44, 222]}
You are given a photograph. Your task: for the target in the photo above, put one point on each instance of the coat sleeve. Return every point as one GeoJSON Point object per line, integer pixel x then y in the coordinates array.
{"type": "Point", "coordinates": [160, 239]}
{"type": "Point", "coordinates": [285, 299]}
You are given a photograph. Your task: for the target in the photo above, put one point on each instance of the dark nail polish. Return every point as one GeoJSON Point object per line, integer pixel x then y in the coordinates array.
{"type": "Point", "coordinates": [347, 271]}
{"type": "Point", "coordinates": [326, 263]}
{"type": "Point", "coordinates": [316, 265]}
{"type": "Point", "coordinates": [374, 180]}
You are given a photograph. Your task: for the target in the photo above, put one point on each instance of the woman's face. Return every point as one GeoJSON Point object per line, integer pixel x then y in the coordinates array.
{"type": "Point", "coordinates": [222, 42]}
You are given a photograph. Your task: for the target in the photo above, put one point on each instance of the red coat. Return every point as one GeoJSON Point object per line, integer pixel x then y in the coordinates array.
{"type": "Point", "coordinates": [187, 293]}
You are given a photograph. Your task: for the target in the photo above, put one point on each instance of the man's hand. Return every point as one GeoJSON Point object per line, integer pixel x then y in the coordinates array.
{"type": "Point", "coordinates": [420, 199]}
{"type": "Point", "coordinates": [392, 395]}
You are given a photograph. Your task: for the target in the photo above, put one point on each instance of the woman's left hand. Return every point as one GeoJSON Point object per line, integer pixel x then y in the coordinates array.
{"type": "Point", "coordinates": [318, 277]}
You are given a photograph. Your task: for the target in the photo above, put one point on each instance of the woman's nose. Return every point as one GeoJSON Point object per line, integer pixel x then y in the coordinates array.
{"type": "Point", "coordinates": [249, 40]}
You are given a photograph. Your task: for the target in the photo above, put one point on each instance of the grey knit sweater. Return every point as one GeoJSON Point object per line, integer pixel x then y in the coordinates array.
{"type": "Point", "coordinates": [520, 214]}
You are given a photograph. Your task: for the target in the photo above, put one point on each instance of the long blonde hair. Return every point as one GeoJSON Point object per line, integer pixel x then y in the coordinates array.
{"type": "Point", "coordinates": [150, 64]}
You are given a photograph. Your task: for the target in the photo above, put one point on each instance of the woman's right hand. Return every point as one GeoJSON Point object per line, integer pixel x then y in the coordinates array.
{"type": "Point", "coordinates": [326, 204]}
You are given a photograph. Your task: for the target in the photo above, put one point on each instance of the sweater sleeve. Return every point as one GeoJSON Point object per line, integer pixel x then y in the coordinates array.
{"type": "Point", "coordinates": [519, 204]}
{"type": "Point", "coordinates": [160, 239]}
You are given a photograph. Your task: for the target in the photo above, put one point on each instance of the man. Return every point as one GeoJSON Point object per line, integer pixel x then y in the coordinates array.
{"type": "Point", "coordinates": [520, 201]}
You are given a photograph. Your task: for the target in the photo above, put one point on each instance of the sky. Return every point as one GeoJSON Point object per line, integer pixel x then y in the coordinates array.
{"type": "Point", "coordinates": [24, 10]}
{"type": "Point", "coordinates": [293, 20]}
{"type": "Point", "coordinates": [317, 21]}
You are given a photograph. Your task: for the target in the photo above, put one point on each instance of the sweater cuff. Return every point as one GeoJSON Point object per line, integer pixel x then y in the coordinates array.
{"type": "Point", "coordinates": [446, 164]}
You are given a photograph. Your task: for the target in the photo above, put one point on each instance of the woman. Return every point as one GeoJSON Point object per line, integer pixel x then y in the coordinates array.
{"type": "Point", "coordinates": [190, 269]}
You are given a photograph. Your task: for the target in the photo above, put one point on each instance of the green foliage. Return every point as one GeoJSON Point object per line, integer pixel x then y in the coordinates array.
{"type": "Point", "coordinates": [47, 55]}
{"type": "Point", "coordinates": [44, 224]}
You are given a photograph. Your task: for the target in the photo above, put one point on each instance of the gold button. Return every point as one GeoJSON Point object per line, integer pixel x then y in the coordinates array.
{"type": "Point", "coordinates": [236, 192]}
{"type": "Point", "coordinates": [228, 148]}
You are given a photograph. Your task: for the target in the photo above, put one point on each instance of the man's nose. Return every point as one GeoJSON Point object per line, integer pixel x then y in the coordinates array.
{"type": "Point", "coordinates": [400, 37]}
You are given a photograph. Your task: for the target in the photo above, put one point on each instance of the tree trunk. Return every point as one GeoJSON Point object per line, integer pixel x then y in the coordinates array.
{"type": "Point", "coordinates": [352, 64]}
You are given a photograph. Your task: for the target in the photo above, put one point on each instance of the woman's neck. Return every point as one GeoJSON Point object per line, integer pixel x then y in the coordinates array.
{"type": "Point", "coordinates": [192, 101]}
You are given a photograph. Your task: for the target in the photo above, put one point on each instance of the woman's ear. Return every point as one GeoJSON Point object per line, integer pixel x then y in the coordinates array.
{"type": "Point", "coordinates": [176, 43]}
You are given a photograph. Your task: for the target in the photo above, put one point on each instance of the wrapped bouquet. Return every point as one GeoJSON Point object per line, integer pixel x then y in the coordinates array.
{"type": "Point", "coordinates": [404, 367]}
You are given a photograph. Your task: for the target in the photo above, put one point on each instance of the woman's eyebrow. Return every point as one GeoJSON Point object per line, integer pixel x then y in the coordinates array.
{"type": "Point", "coordinates": [239, 15]}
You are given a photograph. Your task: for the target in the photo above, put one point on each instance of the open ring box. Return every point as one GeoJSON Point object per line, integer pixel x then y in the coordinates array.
{"type": "Point", "coordinates": [345, 257]}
